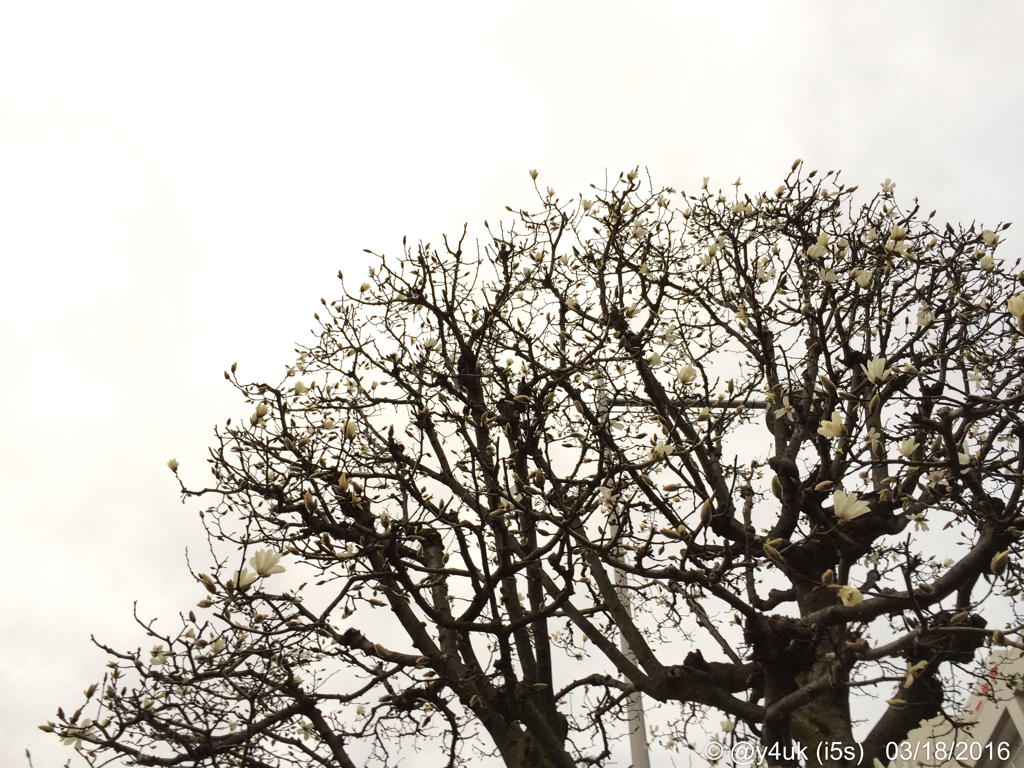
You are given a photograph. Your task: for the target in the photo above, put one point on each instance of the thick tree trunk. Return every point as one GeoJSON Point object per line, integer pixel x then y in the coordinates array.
{"type": "Point", "coordinates": [521, 749]}
{"type": "Point", "coordinates": [822, 728]}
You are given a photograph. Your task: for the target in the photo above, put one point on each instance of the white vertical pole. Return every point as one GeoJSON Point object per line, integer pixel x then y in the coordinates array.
{"type": "Point", "coordinates": [634, 703]}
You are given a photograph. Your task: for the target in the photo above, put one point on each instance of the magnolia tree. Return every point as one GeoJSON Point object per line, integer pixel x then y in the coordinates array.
{"type": "Point", "coordinates": [523, 482]}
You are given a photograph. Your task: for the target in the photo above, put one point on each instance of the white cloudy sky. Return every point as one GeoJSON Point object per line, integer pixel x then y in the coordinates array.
{"type": "Point", "coordinates": [180, 182]}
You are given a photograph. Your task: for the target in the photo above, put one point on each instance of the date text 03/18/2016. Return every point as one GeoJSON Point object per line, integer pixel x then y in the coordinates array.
{"type": "Point", "coordinates": [748, 753]}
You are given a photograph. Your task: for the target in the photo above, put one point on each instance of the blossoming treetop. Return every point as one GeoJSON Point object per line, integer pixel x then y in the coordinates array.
{"type": "Point", "coordinates": [671, 419]}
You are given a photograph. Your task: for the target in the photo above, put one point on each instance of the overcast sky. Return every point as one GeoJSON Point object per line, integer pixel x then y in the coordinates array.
{"type": "Point", "coordinates": [181, 182]}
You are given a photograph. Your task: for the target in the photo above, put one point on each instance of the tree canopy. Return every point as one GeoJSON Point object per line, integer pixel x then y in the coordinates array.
{"type": "Point", "coordinates": [745, 455]}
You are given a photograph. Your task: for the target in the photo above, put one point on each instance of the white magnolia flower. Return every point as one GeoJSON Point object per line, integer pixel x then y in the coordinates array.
{"type": "Point", "coordinates": [965, 456]}
{"type": "Point", "coordinates": [1015, 304]}
{"type": "Point", "coordinates": [850, 595]}
{"type": "Point", "coordinates": [871, 235]}
{"type": "Point", "coordinates": [820, 248]}
{"type": "Point", "coordinates": [873, 437]}
{"type": "Point", "coordinates": [364, 287]}
{"type": "Point", "coordinates": [704, 415]}
{"type": "Point", "coordinates": [875, 369]}
{"type": "Point", "coordinates": [863, 277]}
{"type": "Point", "coordinates": [662, 450]}
{"type": "Point", "coordinates": [76, 732]}
{"type": "Point", "coordinates": [429, 343]}
{"type": "Point", "coordinates": [834, 427]}
{"type": "Point", "coordinates": [987, 263]}
{"type": "Point", "coordinates": [158, 656]}
{"type": "Point", "coordinates": [989, 237]}
{"type": "Point", "coordinates": [533, 175]}
{"type": "Point", "coordinates": [924, 314]}
{"type": "Point", "coordinates": [242, 578]}
{"type": "Point", "coordinates": [888, 186]}
{"type": "Point", "coordinates": [265, 563]}
{"type": "Point", "coordinates": [847, 506]}
{"type": "Point", "coordinates": [1000, 561]}
{"type": "Point", "coordinates": [908, 446]}
{"type": "Point", "coordinates": [827, 275]}
{"type": "Point", "coordinates": [300, 388]}
{"type": "Point", "coordinates": [350, 429]}
{"type": "Point", "coordinates": [687, 375]}
{"type": "Point", "coordinates": [360, 710]}
{"type": "Point", "coordinates": [173, 465]}
{"type": "Point", "coordinates": [786, 410]}
{"type": "Point", "coordinates": [218, 645]}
